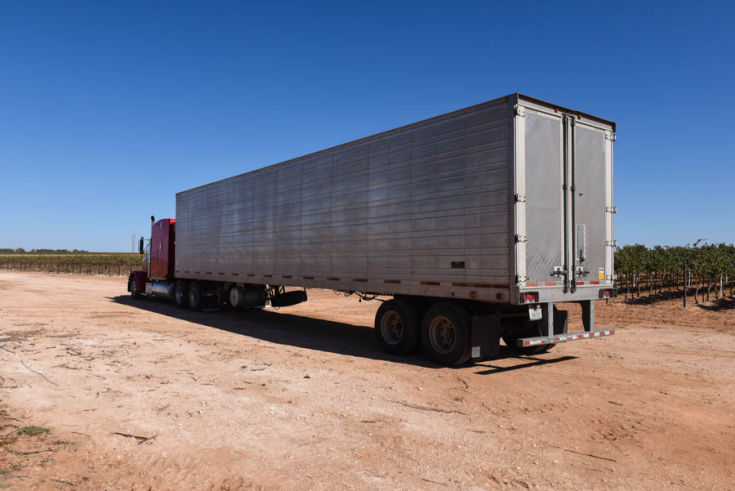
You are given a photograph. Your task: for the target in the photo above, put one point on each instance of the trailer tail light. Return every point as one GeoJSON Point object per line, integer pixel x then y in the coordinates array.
{"type": "Point", "coordinates": [608, 293]}
{"type": "Point", "coordinates": [529, 297]}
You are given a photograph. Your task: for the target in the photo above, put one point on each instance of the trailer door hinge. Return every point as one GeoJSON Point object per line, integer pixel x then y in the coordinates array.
{"type": "Point", "coordinates": [521, 238]}
{"type": "Point", "coordinates": [520, 111]}
{"type": "Point", "coordinates": [611, 209]}
{"type": "Point", "coordinates": [609, 135]}
{"type": "Point", "coordinates": [520, 198]}
{"type": "Point", "coordinates": [611, 243]}
{"type": "Point", "coordinates": [521, 279]}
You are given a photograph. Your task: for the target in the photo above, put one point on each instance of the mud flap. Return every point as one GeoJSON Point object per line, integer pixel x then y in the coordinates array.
{"type": "Point", "coordinates": [485, 337]}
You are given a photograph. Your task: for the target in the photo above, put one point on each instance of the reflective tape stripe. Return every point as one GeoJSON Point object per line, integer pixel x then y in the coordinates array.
{"type": "Point", "coordinates": [562, 338]}
{"type": "Point", "coordinates": [480, 285]}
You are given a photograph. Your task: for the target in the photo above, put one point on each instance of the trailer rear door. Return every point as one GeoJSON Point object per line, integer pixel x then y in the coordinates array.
{"type": "Point", "coordinates": [542, 143]}
{"type": "Point", "coordinates": [589, 199]}
{"type": "Point", "coordinates": [563, 193]}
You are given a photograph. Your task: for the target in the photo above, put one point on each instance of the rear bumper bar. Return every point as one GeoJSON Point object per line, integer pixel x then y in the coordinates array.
{"type": "Point", "coordinates": [563, 338]}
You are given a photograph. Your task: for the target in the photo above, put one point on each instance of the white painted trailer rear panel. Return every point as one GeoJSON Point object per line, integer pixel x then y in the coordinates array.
{"type": "Point", "coordinates": [425, 209]}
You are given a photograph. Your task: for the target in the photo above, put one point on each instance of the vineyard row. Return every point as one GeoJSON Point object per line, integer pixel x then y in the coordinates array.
{"type": "Point", "coordinates": [109, 269]}
{"type": "Point", "coordinates": [684, 270]}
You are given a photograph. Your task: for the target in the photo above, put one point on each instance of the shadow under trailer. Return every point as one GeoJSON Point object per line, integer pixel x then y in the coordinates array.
{"type": "Point", "coordinates": [469, 226]}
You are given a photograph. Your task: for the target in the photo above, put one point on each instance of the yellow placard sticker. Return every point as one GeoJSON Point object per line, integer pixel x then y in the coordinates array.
{"type": "Point", "coordinates": [601, 275]}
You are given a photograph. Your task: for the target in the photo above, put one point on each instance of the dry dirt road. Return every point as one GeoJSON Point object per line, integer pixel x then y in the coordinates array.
{"type": "Point", "coordinates": [138, 394]}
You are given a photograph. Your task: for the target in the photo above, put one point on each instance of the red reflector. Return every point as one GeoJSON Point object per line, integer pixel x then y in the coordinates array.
{"type": "Point", "coordinates": [526, 343]}
{"type": "Point", "coordinates": [530, 297]}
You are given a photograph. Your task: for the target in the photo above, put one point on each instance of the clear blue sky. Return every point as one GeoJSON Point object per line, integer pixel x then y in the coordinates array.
{"type": "Point", "coordinates": [107, 109]}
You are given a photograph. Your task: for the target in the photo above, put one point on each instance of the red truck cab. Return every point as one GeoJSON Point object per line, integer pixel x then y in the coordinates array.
{"type": "Point", "coordinates": [158, 264]}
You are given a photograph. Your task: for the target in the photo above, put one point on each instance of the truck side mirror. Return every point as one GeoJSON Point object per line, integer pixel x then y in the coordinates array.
{"type": "Point", "coordinates": [140, 245]}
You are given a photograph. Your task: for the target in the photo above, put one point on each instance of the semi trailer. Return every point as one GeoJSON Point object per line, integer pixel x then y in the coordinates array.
{"type": "Point", "coordinates": [469, 227]}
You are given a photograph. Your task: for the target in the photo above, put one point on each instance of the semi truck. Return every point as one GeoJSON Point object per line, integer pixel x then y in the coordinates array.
{"type": "Point", "coordinates": [469, 227]}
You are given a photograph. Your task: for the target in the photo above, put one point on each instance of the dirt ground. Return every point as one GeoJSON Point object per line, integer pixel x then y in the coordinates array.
{"type": "Point", "coordinates": [98, 390]}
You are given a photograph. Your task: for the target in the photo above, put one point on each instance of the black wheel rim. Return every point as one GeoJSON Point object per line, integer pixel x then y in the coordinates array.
{"type": "Point", "coordinates": [442, 335]}
{"type": "Point", "coordinates": [391, 327]}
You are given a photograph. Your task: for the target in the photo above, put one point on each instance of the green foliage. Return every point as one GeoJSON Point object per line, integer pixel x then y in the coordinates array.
{"type": "Point", "coordinates": [33, 430]}
{"type": "Point", "coordinates": [703, 260]}
{"type": "Point", "coordinates": [6, 471]}
{"type": "Point", "coordinates": [20, 250]}
{"type": "Point", "coordinates": [73, 262]}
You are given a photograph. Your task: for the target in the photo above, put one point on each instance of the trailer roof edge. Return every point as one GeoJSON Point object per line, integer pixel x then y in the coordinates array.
{"type": "Point", "coordinates": [565, 109]}
{"type": "Point", "coordinates": [513, 97]}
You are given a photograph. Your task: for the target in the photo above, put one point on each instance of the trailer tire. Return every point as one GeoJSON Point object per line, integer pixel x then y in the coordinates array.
{"type": "Point", "coordinates": [133, 287]}
{"type": "Point", "coordinates": [181, 294]}
{"type": "Point", "coordinates": [445, 334]}
{"type": "Point", "coordinates": [397, 327]}
{"type": "Point", "coordinates": [195, 298]}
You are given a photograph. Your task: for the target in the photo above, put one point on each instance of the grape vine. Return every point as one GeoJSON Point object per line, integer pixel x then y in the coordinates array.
{"type": "Point", "coordinates": [664, 269]}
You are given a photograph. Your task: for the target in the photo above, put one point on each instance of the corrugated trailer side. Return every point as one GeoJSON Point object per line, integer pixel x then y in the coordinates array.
{"type": "Point", "coordinates": [476, 222]}
{"type": "Point", "coordinates": [421, 210]}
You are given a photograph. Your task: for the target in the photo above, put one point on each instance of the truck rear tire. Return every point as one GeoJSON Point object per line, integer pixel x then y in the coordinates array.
{"type": "Point", "coordinates": [397, 327]}
{"type": "Point", "coordinates": [445, 334]}
{"type": "Point", "coordinates": [133, 287]}
{"type": "Point", "coordinates": [195, 298]}
{"type": "Point", "coordinates": [180, 294]}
